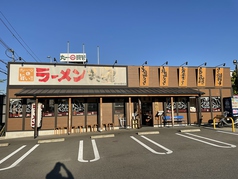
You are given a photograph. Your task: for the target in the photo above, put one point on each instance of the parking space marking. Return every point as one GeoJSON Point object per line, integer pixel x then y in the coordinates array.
{"type": "Point", "coordinates": [21, 158]}
{"type": "Point", "coordinates": [13, 153]}
{"type": "Point", "coordinates": [155, 143]}
{"type": "Point", "coordinates": [232, 133]}
{"type": "Point", "coordinates": [80, 153]}
{"type": "Point", "coordinates": [221, 146]}
{"type": "Point", "coordinates": [95, 151]}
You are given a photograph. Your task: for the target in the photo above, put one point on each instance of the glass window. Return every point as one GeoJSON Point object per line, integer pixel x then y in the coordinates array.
{"type": "Point", "coordinates": [47, 110]}
{"type": "Point", "coordinates": [28, 107]}
{"type": "Point", "coordinates": [205, 104]}
{"type": "Point", "coordinates": [216, 104]}
{"type": "Point", "coordinates": [180, 102]}
{"type": "Point", "coordinates": [119, 108]}
{"type": "Point", "coordinates": [193, 107]}
{"type": "Point", "coordinates": [49, 107]}
{"type": "Point", "coordinates": [168, 106]}
{"type": "Point", "coordinates": [15, 108]}
{"type": "Point", "coordinates": [63, 107]}
{"type": "Point", "coordinates": [92, 108]}
{"type": "Point", "coordinates": [182, 105]}
{"type": "Point", "coordinates": [78, 106]}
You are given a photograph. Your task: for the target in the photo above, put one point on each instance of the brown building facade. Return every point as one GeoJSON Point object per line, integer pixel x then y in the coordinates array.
{"type": "Point", "coordinates": [70, 96]}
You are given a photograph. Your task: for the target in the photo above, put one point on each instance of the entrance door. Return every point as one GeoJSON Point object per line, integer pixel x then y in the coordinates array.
{"type": "Point", "coordinates": [147, 117]}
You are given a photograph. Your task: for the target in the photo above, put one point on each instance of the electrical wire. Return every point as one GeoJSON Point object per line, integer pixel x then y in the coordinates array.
{"type": "Point", "coordinates": [3, 62]}
{"type": "Point", "coordinates": [18, 39]}
{"type": "Point", "coordinates": [19, 36]}
{"type": "Point", "coordinates": [4, 44]}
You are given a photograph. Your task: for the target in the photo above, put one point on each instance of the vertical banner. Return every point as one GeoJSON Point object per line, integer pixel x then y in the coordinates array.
{"type": "Point", "coordinates": [183, 76]}
{"type": "Point", "coordinates": [156, 105]}
{"type": "Point", "coordinates": [39, 114]}
{"type": "Point", "coordinates": [201, 81]}
{"type": "Point", "coordinates": [219, 77]}
{"type": "Point", "coordinates": [164, 76]}
{"type": "Point", "coordinates": [144, 76]}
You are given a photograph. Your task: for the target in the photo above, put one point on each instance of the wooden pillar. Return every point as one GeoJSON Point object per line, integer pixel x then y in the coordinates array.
{"type": "Point", "coordinates": [36, 119]}
{"type": "Point", "coordinates": [172, 110]}
{"type": "Point", "coordinates": [153, 113]}
{"type": "Point", "coordinates": [188, 113]}
{"type": "Point", "coordinates": [69, 116]}
{"type": "Point", "coordinates": [139, 112]}
{"type": "Point", "coordinates": [100, 120]}
{"type": "Point", "coordinates": [199, 110]}
{"type": "Point", "coordinates": [130, 113]}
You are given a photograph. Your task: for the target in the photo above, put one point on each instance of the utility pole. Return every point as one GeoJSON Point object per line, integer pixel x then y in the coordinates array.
{"type": "Point", "coordinates": [1, 81]}
{"type": "Point", "coordinates": [8, 49]}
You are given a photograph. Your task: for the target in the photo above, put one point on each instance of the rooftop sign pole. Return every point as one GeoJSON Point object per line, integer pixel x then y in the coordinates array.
{"type": "Point", "coordinates": [83, 56]}
{"type": "Point", "coordinates": [98, 54]}
{"type": "Point", "coordinates": [68, 51]}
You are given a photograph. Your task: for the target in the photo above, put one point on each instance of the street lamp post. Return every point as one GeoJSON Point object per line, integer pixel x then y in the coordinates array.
{"type": "Point", "coordinates": [50, 58]}
{"type": "Point", "coordinates": [236, 81]}
{"type": "Point", "coordinates": [236, 64]}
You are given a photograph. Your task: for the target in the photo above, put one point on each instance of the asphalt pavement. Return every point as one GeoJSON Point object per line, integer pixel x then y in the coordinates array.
{"type": "Point", "coordinates": [168, 152]}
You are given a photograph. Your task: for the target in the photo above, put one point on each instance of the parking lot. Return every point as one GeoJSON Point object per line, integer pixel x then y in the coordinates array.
{"type": "Point", "coordinates": [185, 152]}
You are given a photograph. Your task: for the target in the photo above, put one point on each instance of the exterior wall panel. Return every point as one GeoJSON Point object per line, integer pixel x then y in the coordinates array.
{"type": "Point", "coordinates": [14, 124]}
{"type": "Point", "coordinates": [173, 77]}
{"type": "Point", "coordinates": [48, 123]}
{"type": "Point", "coordinates": [207, 116]}
{"type": "Point", "coordinates": [226, 78]}
{"type": "Point", "coordinates": [62, 121]}
{"type": "Point", "coordinates": [206, 91]}
{"type": "Point", "coordinates": [133, 76]}
{"type": "Point", "coordinates": [210, 79]}
{"type": "Point", "coordinates": [78, 121]}
{"type": "Point", "coordinates": [154, 78]}
{"type": "Point", "coordinates": [192, 77]}
{"type": "Point", "coordinates": [107, 113]}
{"type": "Point", "coordinates": [27, 126]}
{"type": "Point", "coordinates": [193, 118]}
{"type": "Point", "coordinates": [91, 120]}
{"type": "Point", "coordinates": [215, 92]}
{"type": "Point", "coordinates": [226, 93]}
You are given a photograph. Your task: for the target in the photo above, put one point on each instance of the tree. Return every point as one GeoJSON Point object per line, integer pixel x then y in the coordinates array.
{"type": "Point", "coordinates": [234, 82]}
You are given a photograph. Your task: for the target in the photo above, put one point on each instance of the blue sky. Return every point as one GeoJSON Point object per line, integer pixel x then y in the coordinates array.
{"type": "Point", "coordinates": [129, 31]}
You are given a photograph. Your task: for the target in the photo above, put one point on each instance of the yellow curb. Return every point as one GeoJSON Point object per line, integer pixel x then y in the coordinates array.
{"type": "Point", "coordinates": [50, 140]}
{"type": "Point", "coordinates": [102, 136]}
{"type": "Point", "coordinates": [190, 130]}
{"type": "Point", "coordinates": [150, 132]}
{"type": "Point", "coordinates": [4, 144]}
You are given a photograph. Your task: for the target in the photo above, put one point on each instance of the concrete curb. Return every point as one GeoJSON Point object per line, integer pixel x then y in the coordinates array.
{"type": "Point", "coordinates": [190, 130]}
{"type": "Point", "coordinates": [4, 144]}
{"type": "Point", "coordinates": [50, 140]}
{"type": "Point", "coordinates": [102, 136]}
{"type": "Point", "coordinates": [149, 132]}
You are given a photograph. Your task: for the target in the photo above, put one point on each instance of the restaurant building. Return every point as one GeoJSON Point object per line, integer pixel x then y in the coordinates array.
{"type": "Point", "coordinates": [67, 97]}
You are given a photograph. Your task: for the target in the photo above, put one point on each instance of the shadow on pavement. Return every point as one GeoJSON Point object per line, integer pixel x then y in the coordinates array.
{"type": "Point", "coordinates": [55, 172]}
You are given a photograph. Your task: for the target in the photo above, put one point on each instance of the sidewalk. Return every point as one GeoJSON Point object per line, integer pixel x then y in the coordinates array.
{"type": "Point", "coordinates": [115, 131]}
{"type": "Point", "coordinates": [121, 131]}
{"type": "Point", "coordinates": [227, 129]}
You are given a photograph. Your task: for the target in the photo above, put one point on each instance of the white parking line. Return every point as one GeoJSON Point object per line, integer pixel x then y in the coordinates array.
{"type": "Point", "coordinates": [231, 133]}
{"type": "Point", "coordinates": [150, 149]}
{"type": "Point", "coordinates": [228, 145]}
{"type": "Point", "coordinates": [13, 153]}
{"type": "Point", "coordinates": [21, 158]}
{"type": "Point", "coordinates": [95, 151]}
{"type": "Point", "coordinates": [80, 153]}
